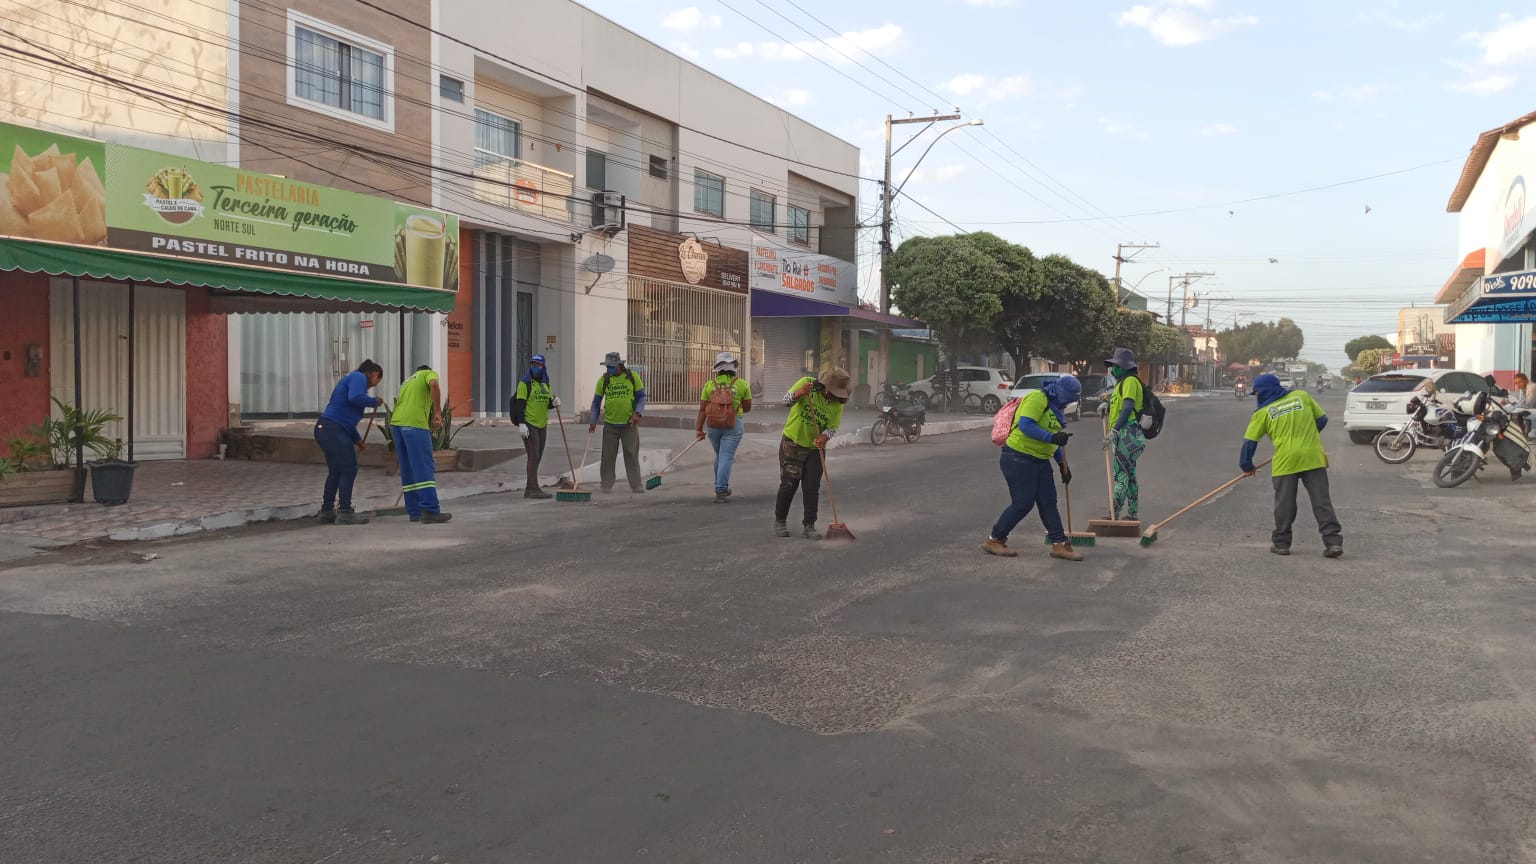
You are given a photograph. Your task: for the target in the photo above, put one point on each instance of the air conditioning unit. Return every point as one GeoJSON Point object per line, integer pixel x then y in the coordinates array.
{"type": "Point", "coordinates": [608, 212]}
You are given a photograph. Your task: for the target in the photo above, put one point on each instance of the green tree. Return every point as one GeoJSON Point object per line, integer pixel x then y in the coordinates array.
{"type": "Point", "coordinates": [956, 285]}
{"type": "Point", "coordinates": [1262, 341]}
{"type": "Point", "coordinates": [1062, 314]}
{"type": "Point", "coordinates": [1368, 361]}
{"type": "Point", "coordinates": [1360, 343]}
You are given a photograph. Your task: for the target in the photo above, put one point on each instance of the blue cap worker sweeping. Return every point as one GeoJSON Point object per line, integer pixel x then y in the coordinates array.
{"type": "Point", "coordinates": [618, 405]}
{"type": "Point", "coordinates": [530, 411]}
{"type": "Point", "coordinates": [1293, 421]}
{"type": "Point", "coordinates": [1125, 436]}
{"type": "Point", "coordinates": [1036, 439]}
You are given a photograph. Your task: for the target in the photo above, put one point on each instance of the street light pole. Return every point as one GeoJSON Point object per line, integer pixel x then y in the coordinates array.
{"type": "Point", "coordinates": [888, 195]}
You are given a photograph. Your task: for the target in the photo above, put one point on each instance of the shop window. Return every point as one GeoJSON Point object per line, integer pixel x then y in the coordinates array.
{"type": "Point", "coordinates": [339, 73]}
{"type": "Point", "coordinates": [708, 193]}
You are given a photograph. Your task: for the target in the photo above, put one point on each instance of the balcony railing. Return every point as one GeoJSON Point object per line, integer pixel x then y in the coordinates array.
{"type": "Point", "coordinates": [525, 186]}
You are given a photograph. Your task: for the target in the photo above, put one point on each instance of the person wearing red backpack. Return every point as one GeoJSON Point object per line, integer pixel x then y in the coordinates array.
{"type": "Point", "coordinates": [1036, 437]}
{"type": "Point", "coordinates": [721, 406]}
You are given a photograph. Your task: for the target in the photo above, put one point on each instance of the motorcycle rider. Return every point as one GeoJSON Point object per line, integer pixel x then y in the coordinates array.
{"type": "Point", "coordinates": [1293, 421]}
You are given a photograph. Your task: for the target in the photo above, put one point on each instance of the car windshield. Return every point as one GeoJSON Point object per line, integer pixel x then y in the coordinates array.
{"type": "Point", "coordinates": [1390, 384]}
{"type": "Point", "coordinates": [1004, 377]}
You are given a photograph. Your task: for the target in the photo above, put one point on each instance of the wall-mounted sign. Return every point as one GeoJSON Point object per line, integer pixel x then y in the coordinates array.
{"type": "Point", "coordinates": [686, 259]}
{"type": "Point", "coordinates": [599, 263]}
{"type": "Point", "coordinates": [365, 324]}
{"type": "Point", "coordinates": [525, 191]}
{"type": "Point", "coordinates": [786, 269]}
{"type": "Point", "coordinates": [693, 259]}
{"type": "Point", "coordinates": [76, 190]}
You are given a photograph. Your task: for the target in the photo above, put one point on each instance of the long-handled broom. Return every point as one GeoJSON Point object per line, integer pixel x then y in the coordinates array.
{"type": "Point", "coordinates": [1076, 539]}
{"type": "Point", "coordinates": [575, 493]}
{"type": "Point", "coordinates": [1112, 527]}
{"type": "Point", "coordinates": [836, 529]}
{"type": "Point", "coordinates": [1150, 536]}
{"type": "Point", "coordinates": [655, 480]}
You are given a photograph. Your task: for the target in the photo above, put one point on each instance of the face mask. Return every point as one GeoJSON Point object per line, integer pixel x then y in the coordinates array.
{"type": "Point", "coordinates": [613, 370]}
{"type": "Point", "coordinates": [536, 372]}
{"type": "Point", "coordinates": [1117, 372]}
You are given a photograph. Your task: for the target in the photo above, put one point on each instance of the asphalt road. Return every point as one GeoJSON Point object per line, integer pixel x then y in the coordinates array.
{"type": "Point", "coordinates": [657, 678]}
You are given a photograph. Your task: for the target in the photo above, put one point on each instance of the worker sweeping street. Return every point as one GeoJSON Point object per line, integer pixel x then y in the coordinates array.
{"type": "Point", "coordinates": [721, 405]}
{"type": "Point", "coordinates": [1293, 421]}
{"type": "Point", "coordinates": [816, 409]}
{"type": "Point", "coordinates": [618, 404]}
{"type": "Point", "coordinates": [1037, 438]}
{"type": "Point", "coordinates": [336, 433]}
{"type": "Point", "coordinates": [530, 411]}
{"type": "Point", "coordinates": [1125, 439]}
{"type": "Point", "coordinates": [418, 411]}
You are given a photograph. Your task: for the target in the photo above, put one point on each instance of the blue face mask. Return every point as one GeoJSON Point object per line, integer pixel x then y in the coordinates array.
{"type": "Point", "coordinates": [536, 372]}
{"type": "Point", "coordinates": [613, 370]}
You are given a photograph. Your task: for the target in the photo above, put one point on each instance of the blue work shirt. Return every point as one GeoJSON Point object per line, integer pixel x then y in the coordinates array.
{"type": "Point", "coordinates": [348, 402]}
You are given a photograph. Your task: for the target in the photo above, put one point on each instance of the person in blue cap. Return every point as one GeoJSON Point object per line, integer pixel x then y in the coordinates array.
{"type": "Point", "coordinates": [530, 411]}
{"type": "Point", "coordinates": [1294, 422]}
{"type": "Point", "coordinates": [1036, 439]}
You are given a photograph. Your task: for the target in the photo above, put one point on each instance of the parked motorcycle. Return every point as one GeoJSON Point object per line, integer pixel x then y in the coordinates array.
{"type": "Point", "coordinates": [1492, 429]}
{"type": "Point", "coordinates": [905, 418]}
{"type": "Point", "coordinates": [892, 394]}
{"type": "Point", "coordinates": [1430, 424]}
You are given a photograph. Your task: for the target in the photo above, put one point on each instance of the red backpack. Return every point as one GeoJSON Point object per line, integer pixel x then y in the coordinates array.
{"type": "Point", "coordinates": [720, 412]}
{"type": "Point", "coordinates": [1002, 421]}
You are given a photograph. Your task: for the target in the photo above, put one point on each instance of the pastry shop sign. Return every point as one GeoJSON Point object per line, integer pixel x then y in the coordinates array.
{"type": "Point", "coordinates": [75, 190]}
{"type": "Point", "coordinates": [786, 270]}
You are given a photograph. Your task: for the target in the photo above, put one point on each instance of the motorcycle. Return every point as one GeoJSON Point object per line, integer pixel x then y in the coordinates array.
{"type": "Point", "coordinates": [1430, 424]}
{"type": "Point", "coordinates": [1492, 429]}
{"type": "Point", "coordinates": [901, 416]}
{"type": "Point", "coordinates": [1240, 389]}
{"type": "Point", "coordinates": [892, 394]}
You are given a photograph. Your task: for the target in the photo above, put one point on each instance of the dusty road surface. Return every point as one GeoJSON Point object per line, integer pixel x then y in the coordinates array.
{"type": "Point", "coordinates": [658, 679]}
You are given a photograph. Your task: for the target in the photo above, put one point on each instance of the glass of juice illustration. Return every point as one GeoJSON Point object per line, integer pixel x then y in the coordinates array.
{"type": "Point", "coordinates": [425, 238]}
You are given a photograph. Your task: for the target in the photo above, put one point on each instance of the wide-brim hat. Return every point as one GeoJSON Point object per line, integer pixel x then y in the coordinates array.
{"type": "Point", "coordinates": [613, 358]}
{"type": "Point", "coordinates": [726, 360]}
{"type": "Point", "coordinates": [837, 382]}
{"type": "Point", "coordinates": [1124, 358]}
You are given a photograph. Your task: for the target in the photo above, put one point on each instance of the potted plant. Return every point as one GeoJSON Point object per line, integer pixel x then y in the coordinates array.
{"type": "Point", "coordinates": [112, 475]}
{"type": "Point", "coordinates": [41, 467]}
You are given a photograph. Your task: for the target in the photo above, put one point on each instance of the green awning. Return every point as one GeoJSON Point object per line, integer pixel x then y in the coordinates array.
{"type": "Point", "coordinates": [252, 289]}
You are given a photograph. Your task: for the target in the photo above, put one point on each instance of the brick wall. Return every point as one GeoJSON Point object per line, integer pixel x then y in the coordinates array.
{"type": "Point", "coordinates": [207, 375]}
{"type": "Point", "coordinates": [23, 400]}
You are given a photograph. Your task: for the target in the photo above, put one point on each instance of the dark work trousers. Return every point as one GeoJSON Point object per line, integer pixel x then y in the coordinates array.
{"type": "Point", "coordinates": [1316, 482]}
{"type": "Point", "coordinates": [627, 436]}
{"type": "Point", "coordinates": [340, 462]}
{"type": "Point", "coordinates": [537, 438]}
{"type": "Point", "coordinates": [1030, 485]}
{"type": "Point", "coordinates": [799, 470]}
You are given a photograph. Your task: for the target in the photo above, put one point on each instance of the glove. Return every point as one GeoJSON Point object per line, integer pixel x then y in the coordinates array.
{"type": "Point", "coordinates": [522, 429]}
{"type": "Point", "coordinates": [1060, 438]}
{"type": "Point", "coordinates": [1248, 470]}
{"type": "Point", "coordinates": [554, 401]}
{"type": "Point", "coordinates": [1109, 442]}
{"type": "Point", "coordinates": [1066, 476]}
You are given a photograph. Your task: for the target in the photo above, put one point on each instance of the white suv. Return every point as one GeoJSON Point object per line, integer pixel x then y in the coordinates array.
{"type": "Point", "coordinates": [992, 385]}
{"type": "Point", "coordinates": [1383, 399]}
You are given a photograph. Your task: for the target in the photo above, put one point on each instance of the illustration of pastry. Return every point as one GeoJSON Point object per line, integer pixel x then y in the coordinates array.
{"type": "Point", "coordinates": [53, 196]}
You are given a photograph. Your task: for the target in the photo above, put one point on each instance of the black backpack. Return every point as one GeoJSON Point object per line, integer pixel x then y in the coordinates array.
{"type": "Point", "coordinates": [1152, 408]}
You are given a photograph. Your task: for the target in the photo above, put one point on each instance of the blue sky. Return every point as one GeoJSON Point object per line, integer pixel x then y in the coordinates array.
{"type": "Point", "coordinates": [1112, 109]}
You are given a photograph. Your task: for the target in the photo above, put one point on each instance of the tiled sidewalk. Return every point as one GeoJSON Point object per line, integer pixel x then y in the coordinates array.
{"type": "Point", "coordinates": [186, 497]}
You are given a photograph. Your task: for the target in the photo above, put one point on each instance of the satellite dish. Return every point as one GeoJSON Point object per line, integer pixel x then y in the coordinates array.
{"type": "Point", "coordinates": [599, 263]}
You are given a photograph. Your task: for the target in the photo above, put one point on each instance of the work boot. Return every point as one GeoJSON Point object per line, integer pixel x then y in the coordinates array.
{"type": "Point", "coordinates": [347, 517]}
{"type": "Point", "coordinates": [536, 494]}
{"type": "Point", "coordinates": [638, 490]}
{"type": "Point", "coordinates": [722, 497]}
{"type": "Point", "coordinates": [1284, 550]}
{"type": "Point", "coordinates": [1065, 552]}
{"type": "Point", "coordinates": [435, 518]}
{"type": "Point", "coordinates": [1334, 552]}
{"type": "Point", "coordinates": [727, 493]}
{"type": "Point", "coordinates": [326, 517]}
{"type": "Point", "coordinates": [994, 546]}
{"type": "Point", "coordinates": [809, 532]}
{"type": "Point", "coordinates": [780, 529]}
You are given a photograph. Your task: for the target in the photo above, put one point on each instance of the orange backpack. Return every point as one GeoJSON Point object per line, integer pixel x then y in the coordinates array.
{"type": "Point", "coordinates": [720, 413]}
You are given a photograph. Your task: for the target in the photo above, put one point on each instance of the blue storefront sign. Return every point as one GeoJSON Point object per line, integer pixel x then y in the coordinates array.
{"type": "Point", "coordinates": [1503, 298]}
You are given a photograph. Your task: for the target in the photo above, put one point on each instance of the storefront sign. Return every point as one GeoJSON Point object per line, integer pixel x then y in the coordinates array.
{"type": "Point", "coordinates": [1514, 216]}
{"type": "Point", "coordinates": [786, 270]}
{"type": "Point", "coordinates": [686, 259]}
{"type": "Point", "coordinates": [76, 190]}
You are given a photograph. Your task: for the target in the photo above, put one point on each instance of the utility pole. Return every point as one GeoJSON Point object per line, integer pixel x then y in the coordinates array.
{"type": "Point", "coordinates": [1120, 250]}
{"type": "Point", "coordinates": [886, 196]}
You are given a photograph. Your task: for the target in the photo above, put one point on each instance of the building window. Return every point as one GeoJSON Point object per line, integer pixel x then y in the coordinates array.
{"type": "Point", "coordinates": [799, 226]}
{"type": "Point", "coordinates": [597, 170]}
{"type": "Point", "coordinates": [497, 139]}
{"type": "Point", "coordinates": [451, 89]}
{"type": "Point", "coordinates": [339, 73]}
{"type": "Point", "coordinates": [763, 215]}
{"type": "Point", "coordinates": [708, 193]}
{"type": "Point", "coordinates": [659, 167]}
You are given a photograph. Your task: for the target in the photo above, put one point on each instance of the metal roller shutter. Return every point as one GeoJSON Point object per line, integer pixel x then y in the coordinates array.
{"type": "Point", "coordinates": [782, 343]}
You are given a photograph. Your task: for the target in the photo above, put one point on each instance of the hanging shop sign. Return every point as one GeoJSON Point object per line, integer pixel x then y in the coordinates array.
{"type": "Point", "coordinates": [786, 269]}
{"type": "Point", "coordinates": [76, 190]}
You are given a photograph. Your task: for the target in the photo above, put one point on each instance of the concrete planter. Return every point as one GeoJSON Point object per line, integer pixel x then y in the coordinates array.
{"type": "Point", "coordinates": [28, 488]}
{"type": "Point", "coordinates": [442, 461]}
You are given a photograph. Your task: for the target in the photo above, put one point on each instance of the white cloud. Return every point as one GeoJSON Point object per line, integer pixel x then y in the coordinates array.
{"type": "Point", "coordinates": [1358, 93]}
{"type": "Point", "coordinates": [1493, 82]}
{"type": "Point", "coordinates": [741, 49]}
{"type": "Point", "coordinates": [988, 90]}
{"type": "Point", "coordinates": [690, 18]}
{"type": "Point", "coordinates": [1011, 87]}
{"type": "Point", "coordinates": [686, 50]}
{"type": "Point", "coordinates": [1218, 130]}
{"type": "Point", "coordinates": [789, 98]}
{"type": "Point", "coordinates": [964, 85]}
{"type": "Point", "coordinates": [875, 40]}
{"type": "Point", "coordinates": [1513, 43]}
{"type": "Point", "coordinates": [1173, 24]}
{"type": "Point", "coordinates": [1118, 128]}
